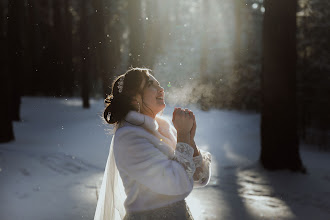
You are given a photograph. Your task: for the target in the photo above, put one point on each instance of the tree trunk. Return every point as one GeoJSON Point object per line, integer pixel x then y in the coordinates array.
{"type": "Point", "coordinates": [113, 33]}
{"type": "Point", "coordinates": [57, 43]}
{"type": "Point", "coordinates": [153, 39]}
{"type": "Point", "coordinates": [67, 56]}
{"type": "Point", "coordinates": [32, 51]}
{"type": "Point", "coordinates": [6, 127]}
{"type": "Point", "coordinates": [84, 54]}
{"type": "Point", "coordinates": [114, 59]}
{"type": "Point", "coordinates": [15, 53]}
{"type": "Point", "coordinates": [205, 41]}
{"type": "Point", "coordinates": [136, 39]}
{"type": "Point", "coordinates": [102, 42]}
{"type": "Point", "coordinates": [238, 32]}
{"type": "Point", "coordinates": [279, 140]}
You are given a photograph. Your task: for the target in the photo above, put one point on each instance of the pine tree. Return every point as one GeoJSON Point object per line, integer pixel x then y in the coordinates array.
{"type": "Point", "coordinates": [279, 139]}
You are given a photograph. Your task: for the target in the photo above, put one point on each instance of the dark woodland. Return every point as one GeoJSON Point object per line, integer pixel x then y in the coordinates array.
{"type": "Point", "coordinates": [279, 65]}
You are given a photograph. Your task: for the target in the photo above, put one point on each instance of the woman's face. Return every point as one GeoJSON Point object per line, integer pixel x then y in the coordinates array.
{"type": "Point", "coordinates": [153, 97]}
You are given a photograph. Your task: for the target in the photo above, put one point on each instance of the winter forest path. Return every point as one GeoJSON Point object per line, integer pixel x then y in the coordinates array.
{"type": "Point", "coordinates": [54, 168]}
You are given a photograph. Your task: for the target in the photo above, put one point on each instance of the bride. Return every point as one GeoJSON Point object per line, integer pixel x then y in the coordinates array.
{"type": "Point", "coordinates": [152, 166]}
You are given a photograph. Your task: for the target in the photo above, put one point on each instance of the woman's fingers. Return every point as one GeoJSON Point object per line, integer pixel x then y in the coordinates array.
{"type": "Point", "coordinates": [188, 113]}
{"type": "Point", "coordinates": [192, 114]}
{"type": "Point", "coordinates": [175, 112]}
{"type": "Point", "coordinates": [183, 120]}
{"type": "Point", "coordinates": [183, 112]}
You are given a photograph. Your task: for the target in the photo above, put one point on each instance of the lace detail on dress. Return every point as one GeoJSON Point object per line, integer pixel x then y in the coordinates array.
{"type": "Point", "coordinates": [184, 155]}
{"type": "Point", "coordinates": [202, 164]}
{"type": "Point", "coordinates": [177, 210]}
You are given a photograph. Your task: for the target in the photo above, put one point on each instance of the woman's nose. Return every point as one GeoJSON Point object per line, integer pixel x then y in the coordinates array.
{"type": "Point", "coordinates": [161, 89]}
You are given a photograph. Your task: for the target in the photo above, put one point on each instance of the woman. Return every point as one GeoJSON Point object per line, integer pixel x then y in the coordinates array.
{"type": "Point", "coordinates": [158, 164]}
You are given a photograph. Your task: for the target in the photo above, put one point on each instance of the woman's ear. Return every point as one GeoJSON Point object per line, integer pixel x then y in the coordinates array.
{"type": "Point", "coordinates": [136, 101]}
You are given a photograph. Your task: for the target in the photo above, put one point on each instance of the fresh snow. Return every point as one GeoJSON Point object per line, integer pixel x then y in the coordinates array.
{"type": "Point", "coordinates": [53, 170]}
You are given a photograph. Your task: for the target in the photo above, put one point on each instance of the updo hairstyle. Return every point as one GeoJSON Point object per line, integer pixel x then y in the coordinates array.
{"type": "Point", "coordinates": [119, 102]}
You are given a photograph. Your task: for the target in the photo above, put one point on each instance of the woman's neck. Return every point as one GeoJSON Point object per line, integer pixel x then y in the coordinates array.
{"type": "Point", "coordinates": [149, 114]}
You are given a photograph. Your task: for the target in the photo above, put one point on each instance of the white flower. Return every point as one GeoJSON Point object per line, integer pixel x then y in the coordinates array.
{"type": "Point", "coordinates": [121, 84]}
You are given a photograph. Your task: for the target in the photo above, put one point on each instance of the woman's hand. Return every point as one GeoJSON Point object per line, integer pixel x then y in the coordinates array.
{"type": "Point", "coordinates": [183, 121]}
{"type": "Point", "coordinates": [193, 129]}
{"type": "Point", "coordinates": [192, 136]}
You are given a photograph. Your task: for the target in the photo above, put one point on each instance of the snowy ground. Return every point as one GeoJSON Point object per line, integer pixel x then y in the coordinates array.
{"type": "Point", "coordinates": [53, 169]}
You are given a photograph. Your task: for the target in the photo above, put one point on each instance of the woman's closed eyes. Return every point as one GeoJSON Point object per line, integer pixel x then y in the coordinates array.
{"type": "Point", "coordinates": [154, 83]}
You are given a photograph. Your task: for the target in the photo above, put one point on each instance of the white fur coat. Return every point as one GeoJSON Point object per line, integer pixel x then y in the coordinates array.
{"type": "Point", "coordinates": [155, 169]}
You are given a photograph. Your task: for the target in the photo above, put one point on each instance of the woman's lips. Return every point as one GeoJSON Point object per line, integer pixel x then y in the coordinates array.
{"type": "Point", "coordinates": [160, 97]}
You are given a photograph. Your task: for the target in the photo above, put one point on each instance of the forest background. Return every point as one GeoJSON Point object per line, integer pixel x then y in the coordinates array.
{"type": "Point", "coordinates": [209, 53]}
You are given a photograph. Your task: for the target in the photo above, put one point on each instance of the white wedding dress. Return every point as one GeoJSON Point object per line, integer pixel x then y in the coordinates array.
{"type": "Point", "coordinates": [148, 175]}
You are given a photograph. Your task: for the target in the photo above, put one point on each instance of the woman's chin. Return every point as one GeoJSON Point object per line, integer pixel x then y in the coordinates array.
{"type": "Point", "coordinates": [161, 107]}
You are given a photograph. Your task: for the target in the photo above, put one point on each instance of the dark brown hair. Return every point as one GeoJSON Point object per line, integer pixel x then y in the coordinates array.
{"type": "Point", "coordinates": [118, 104]}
